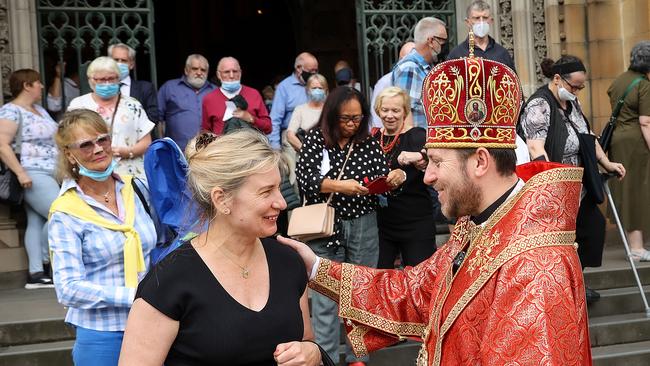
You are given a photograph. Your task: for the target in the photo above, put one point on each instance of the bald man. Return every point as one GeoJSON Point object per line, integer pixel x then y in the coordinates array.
{"type": "Point", "coordinates": [254, 113]}
{"type": "Point", "coordinates": [289, 94]}
{"type": "Point", "coordinates": [384, 82]}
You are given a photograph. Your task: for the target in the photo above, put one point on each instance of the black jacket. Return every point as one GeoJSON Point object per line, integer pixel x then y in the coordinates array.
{"type": "Point", "coordinates": [146, 94]}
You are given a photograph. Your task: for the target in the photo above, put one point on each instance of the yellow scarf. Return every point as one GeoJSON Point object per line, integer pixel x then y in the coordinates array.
{"type": "Point", "coordinates": [71, 204]}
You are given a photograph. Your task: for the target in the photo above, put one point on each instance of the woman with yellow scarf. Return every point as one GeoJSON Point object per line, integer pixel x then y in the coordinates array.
{"type": "Point", "coordinates": [100, 237]}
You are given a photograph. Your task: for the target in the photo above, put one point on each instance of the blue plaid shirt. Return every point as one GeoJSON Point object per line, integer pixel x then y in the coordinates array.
{"type": "Point", "coordinates": [409, 74]}
{"type": "Point", "coordinates": [88, 263]}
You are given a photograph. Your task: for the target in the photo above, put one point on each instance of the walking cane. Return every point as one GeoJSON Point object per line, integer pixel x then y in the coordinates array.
{"type": "Point", "coordinates": [605, 177]}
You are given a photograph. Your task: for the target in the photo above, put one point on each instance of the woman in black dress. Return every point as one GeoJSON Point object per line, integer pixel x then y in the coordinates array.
{"type": "Point", "coordinates": [405, 217]}
{"type": "Point", "coordinates": [226, 297]}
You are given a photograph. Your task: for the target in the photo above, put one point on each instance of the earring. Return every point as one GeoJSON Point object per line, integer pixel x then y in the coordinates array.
{"type": "Point", "coordinates": [226, 211]}
{"type": "Point", "coordinates": [74, 168]}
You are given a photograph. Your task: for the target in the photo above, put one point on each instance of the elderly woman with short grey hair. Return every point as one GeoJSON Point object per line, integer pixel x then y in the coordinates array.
{"type": "Point", "coordinates": [126, 119]}
{"type": "Point", "coordinates": [631, 146]}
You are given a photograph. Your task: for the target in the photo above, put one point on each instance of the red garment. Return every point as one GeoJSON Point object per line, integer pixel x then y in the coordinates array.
{"type": "Point", "coordinates": [517, 299]}
{"type": "Point", "coordinates": [214, 107]}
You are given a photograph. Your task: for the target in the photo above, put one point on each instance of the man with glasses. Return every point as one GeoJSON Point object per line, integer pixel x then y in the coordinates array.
{"type": "Point", "coordinates": [429, 36]}
{"type": "Point", "coordinates": [180, 100]}
{"type": "Point", "coordinates": [479, 20]}
{"type": "Point", "coordinates": [233, 100]}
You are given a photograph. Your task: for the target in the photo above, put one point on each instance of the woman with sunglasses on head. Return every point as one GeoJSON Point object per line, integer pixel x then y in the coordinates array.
{"type": "Point", "coordinates": [552, 122]}
{"type": "Point", "coordinates": [100, 238]}
{"type": "Point", "coordinates": [125, 117]}
{"type": "Point", "coordinates": [29, 128]}
{"type": "Point", "coordinates": [341, 131]}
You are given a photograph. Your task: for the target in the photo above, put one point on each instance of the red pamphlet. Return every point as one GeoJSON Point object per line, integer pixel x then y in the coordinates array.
{"type": "Point", "coordinates": [377, 186]}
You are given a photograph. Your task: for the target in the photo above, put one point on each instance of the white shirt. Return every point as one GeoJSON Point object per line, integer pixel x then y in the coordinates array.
{"type": "Point", "coordinates": [125, 86]}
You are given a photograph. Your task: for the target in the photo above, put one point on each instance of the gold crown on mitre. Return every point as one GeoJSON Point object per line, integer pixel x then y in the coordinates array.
{"type": "Point", "coordinates": [471, 102]}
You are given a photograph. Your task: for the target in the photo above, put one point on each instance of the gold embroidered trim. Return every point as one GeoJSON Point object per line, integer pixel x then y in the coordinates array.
{"type": "Point", "coordinates": [346, 310]}
{"type": "Point", "coordinates": [560, 238]}
{"type": "Point", "coordinates": [463, 145]}
{"type": "Point", "coordinates": [324, 283]}
{"type": "Point", "coordinates": [356, 339]}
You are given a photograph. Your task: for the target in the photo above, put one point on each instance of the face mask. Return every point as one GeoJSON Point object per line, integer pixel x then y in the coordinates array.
{"type": "Point", "coordinates": [124, 70]}
{"type": "Point", "coordinates": [95, 175]}
{"type": "Point", "coordinates": [565, 95]}
{"type": "Point", "coordinates": [107, 91]}
{"type": "Point", "coordinates": [231, 86]}
{"type": "Point", "coordinates": [317, 95]}
{"type": "Point", "coordinates": [196, 83]}
{"type": "Point", "coordinates": [481, 29]}
{"type": "Point", "coordinates": [306, 75]}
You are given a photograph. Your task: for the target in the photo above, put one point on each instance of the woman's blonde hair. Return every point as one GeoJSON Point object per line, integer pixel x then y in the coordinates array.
{"type": "Point", "coordinates": [393, 91]}
{"type": "Point", "coordinates": [85, 119]}
{"type": "Point", "coordinates": [101, 63]}
{"type": "Point", "coordinates": [225, 162]}
{"type": "Point", "coordinates": [319, 77]}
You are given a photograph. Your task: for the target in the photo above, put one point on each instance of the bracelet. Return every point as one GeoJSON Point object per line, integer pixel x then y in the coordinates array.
{"type": "Point", "coordinates": [403, 172]}
{"type": "Point", "coordinates": [130, 153]}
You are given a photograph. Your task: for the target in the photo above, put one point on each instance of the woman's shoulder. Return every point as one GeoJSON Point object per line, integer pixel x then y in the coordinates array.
{"type": "Point", "coordinates": [178, 261]}
{"type": "Point", "coordinates": [130, 102]}
{"type": "Point", "coordinates": [10, 111]}
{"type": "Point", "coordinates": [83, 101]}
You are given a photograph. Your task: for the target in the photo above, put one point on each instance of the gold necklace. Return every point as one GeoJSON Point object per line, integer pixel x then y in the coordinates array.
{"type": "Point", "coordinates": [105, 195]}
{"type": "Point", "coordinates": [245, 273]}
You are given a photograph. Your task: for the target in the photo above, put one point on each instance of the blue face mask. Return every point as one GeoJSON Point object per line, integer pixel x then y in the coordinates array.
{"type": "Point", "coordinates": [231, 86]}
{"type": "Point", "coordinates": [107, 91]}
{"type": "Point", "coordinates": [124, 70]}
{"type": "Point", "coordinates": [95, 175]}
{"type": "Point", "coordinates": [317, 95]}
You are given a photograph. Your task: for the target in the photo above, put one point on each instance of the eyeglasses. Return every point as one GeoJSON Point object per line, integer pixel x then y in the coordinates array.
{"type": "Point", "coordinates": [345, 119]}
{"type": "Point", "coordinates": [106, 80]}
{"type": "Point", "coordinates": [440, 40]}
{"type": "Point", "coordinates": [88, 146]}
{"type": "Point", "coordinates": [573, 87]}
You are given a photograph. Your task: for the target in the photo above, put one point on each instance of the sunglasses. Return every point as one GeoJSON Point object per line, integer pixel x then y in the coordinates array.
{"type": "Point", "coordinates": [88, 146]}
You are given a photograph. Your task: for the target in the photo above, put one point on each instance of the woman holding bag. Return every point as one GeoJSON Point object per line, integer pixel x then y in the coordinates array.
{"type": "Point", "coordinates": [631, 145]}
{"type": "Point", "coordinates": [341, 139]}
{"type": "Point", "coordinates": [27, 126]}
{"type": "Point", "coordinates": [553, 122]}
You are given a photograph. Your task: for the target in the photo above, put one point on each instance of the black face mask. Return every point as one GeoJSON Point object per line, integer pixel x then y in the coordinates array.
{"type": "Point", "coordinates": [306, 75]}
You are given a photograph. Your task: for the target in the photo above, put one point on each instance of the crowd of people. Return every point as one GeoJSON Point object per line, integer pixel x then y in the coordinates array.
{"type": "Point", "coordinates": [231, 294]}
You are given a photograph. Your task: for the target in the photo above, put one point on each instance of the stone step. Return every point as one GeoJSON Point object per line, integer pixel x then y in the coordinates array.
{"type": "Point", "coordinates": [617, 329]}
{"type": "Point", "coordinates": [618, 301]}
{"type": "Point", "coordinates": [50, 354]}
{"type": "Point", "coordinates": [619, 276]}
{"type": "Point", "coordinates": [629, 354]}
{"type": "Point", "coordinates": [34, 331]}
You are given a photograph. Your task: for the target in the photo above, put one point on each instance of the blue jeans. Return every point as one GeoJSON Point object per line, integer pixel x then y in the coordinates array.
{"type": "Point", "coordinates": [96, 348]}
{"type": "Point", "coordinates": [360, 246]}
{"type": "Point", "coordinates": [38, 200]}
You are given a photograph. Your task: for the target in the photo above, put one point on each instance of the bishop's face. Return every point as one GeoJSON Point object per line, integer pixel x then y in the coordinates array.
{"type": "Point", "coordinates": [447, 174]}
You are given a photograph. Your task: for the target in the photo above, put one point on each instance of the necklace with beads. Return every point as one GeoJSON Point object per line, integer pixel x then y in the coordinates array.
{"type": "Point", "coordinates": [387, 148]}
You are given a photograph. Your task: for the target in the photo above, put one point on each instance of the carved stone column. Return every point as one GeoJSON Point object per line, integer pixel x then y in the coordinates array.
{"type": "Point", "coordinates": [23, 33]}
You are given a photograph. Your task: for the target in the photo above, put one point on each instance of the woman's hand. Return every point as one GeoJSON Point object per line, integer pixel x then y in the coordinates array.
{"type": "Point", "coordinates": [25, 180]}
{"type": "Point", "coordinates": [351, 187]}
{"type": "Point", "coordinates": [613, 167]}
{"type": "Point", "coordinates": [297, 354]}
{"type": "Point", "coordinates": [396, 178]}
{"type": "Point", "coordinates": [303, 250]}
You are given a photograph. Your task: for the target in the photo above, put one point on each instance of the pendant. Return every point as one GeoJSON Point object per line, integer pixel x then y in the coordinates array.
{"type": "Point", "coordinates": [244, 273]}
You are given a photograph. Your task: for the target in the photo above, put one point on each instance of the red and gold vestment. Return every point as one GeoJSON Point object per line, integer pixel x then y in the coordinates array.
{"type": "Point", "coordinates": [518, 297]}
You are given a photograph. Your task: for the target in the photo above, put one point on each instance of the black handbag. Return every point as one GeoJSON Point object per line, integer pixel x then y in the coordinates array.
{"type": "Point", "coordinates": [11, 191]}
{"type": "Point", "coordinates": [605, 138]}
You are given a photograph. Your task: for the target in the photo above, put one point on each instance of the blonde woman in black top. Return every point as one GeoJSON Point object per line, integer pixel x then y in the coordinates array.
{"type": "Point", "coordinates": [405, 218]}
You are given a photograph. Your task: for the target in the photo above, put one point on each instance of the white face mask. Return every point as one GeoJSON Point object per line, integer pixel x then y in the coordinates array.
{"type": "Point", "coordinates": [565, 95]}
{"type": "Point", "coordinates": [481, 29]}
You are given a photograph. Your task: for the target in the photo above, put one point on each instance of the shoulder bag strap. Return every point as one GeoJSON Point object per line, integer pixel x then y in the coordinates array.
{"type": "Point", "coordinates": [329, 199]}
{"type": "Point", "coordinates": [621, 100]}
{"type": "Point", "coordinates": [117, 105]}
